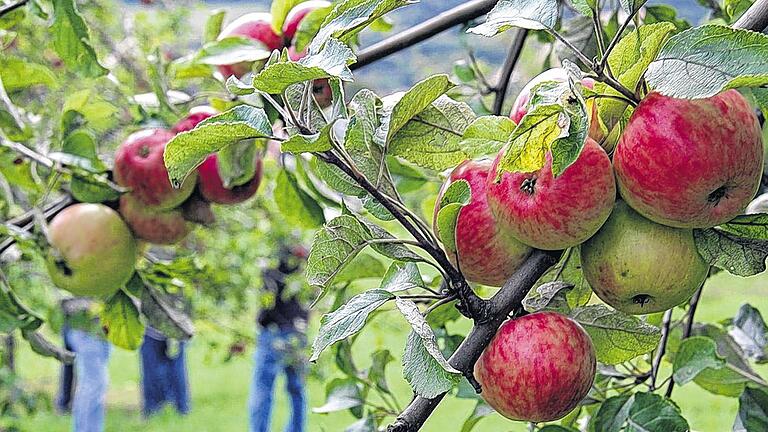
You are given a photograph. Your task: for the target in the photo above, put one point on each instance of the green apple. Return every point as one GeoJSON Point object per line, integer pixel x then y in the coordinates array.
{"type": "Point", "coordinates": [93, 252]}
{"type": "Point", "coordinates": [638, 266]}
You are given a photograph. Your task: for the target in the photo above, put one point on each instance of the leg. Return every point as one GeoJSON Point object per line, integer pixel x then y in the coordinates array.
{"type": "Point", "coordinates": [294, 383]}
{"type": "Point", "coordinates": [266, 365]}
{"type": "Point", "coordinates": [64, 396]}
{"type": "Point", "coordinates": [152, 375]}
{"type": "Point", "coordinates": [179, 381]}
{"type": "Point", "coordinates": [92, 379]}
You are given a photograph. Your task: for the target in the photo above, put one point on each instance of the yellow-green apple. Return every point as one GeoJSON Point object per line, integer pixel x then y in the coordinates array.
{"type": "Point", "coordinates": [553, 213]}
{"type": "Point", "coordinates": [195, 116]}
{"type": "Point", "coordinates": [690, 163]}
{"type": "Point", "coordinates": [758, 205]}
{"type": "Point", "coordinates": [638, 266]}
{"type": "Point", "coordinates": [520, 107]}
{"type": "Point", "coordinates": [93, 252]}
{"type": "Point", "coordinates": [537, 368]}
{"type": "Point", "coordinates": [154, 226]}
{"type": "Point", "coordinates": [139, 166]}
{"type": "Point", "coordinates": [297, 14]}
{"type": "Point", "coordinates": [256, 26]}
{"type": "Point", "coordinates": [487, 254]}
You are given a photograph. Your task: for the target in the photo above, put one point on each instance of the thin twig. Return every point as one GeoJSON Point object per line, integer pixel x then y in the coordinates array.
{"type": "Point", "coordinates": [506, 70]}
{"type": "Point", "coordinates": [667, 320]}
{"type": "Point", "coordinates": [694, 304]}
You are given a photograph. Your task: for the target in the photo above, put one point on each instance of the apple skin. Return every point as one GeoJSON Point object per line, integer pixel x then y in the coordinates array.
{"type": "Point", "coordinates": [487, 254]}
{"type": "Point", "coordinates": [212, 187]}
{"type": "Point", "coordinates": [195, 116]}
{"type": "Point", "coordinates": [520, 107]}
{"type": "Point", "coordinates": [638, 266]}
{"type": "Point", "coordinates": [690, 163]}
{"type": "Point", "coordinates": [157, 227]}
{"type": "Point", "coordinates": [139, 166]}
{"type": "Point", "coordinates": [297, 14]}
{"type": "Point", "coordinates": [758, 205]}
{"type": "Point", "coordinates": [257, 26]}
{"type": "Point", "coordinates": [537, 368]}
{"type": "Point", "coordinates": [555, 213]}
{"type": "Point", "coordinates": [94, 250]}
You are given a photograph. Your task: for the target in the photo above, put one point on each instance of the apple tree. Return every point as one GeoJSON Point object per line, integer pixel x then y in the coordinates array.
{"type": "Point", "coordinates": [626, 172]}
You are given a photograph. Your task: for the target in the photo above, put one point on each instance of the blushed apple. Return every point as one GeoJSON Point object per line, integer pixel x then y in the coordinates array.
{"type": "Point", "coordinates": [256, 26]}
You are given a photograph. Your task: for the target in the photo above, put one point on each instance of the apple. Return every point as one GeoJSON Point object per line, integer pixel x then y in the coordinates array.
{"type": "Point", "coordinates": [638, 266]}
{"type": "Point", "coordinates": [690, 163]}
{"type": "Point", "coordinates": [487, 254]}
{"type": "Point", "coordinates": [520, 107]}
{"type": "Point", "coordinates": [256, 26]}
{"type": "Point", "coordinates": [212, 187]}
{"type": "Point", "coordinates": [154, 226]}
{"type": "Point", "coordinates": [195, 116]}
{"type": "Point", "coordinates": [758, 205]}
{"type": "Point", "coordinates": [555, 213]}
{"type": "Point", "coordinates": [537, 368]}
{"type": "Point", "coordinates": [297, 14]}
{"type": "Point", "coordinates": [139, 166]}
{"type": "Point", "coordinates": [93, 252]}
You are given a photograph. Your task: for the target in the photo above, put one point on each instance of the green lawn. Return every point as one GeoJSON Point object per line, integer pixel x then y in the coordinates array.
{"type": "Point", "coordinates": [220, 389]}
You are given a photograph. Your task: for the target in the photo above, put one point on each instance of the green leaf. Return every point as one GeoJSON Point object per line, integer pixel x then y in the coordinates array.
{"type": "Point", "coordinates": [72, 42]}
{"type": "Point", "coordinates": [14, 314]}
{"type": "Point", "coordinates": [350, 17]}
{"type": "Point", "coordinates": [753, 411]}
{"type": "Point", "coordinates": [401, 277]}
{"type": "Point", "coordinates": [585, 7]}
{"type": "Point", "coordinates": [411, 103]}
{"type": "Point", "coordinates": [617, 337]}
{"type": "Point", "coordinates": [19, 74]}
{"type": "Point", "coordinates": [664, 13]}
{"type": "Point", "coordinates": [332, 61]}
{"type": "Point", "coordinates": [189, 149]}
{"type": "Point", "coordinates": [279, 11]}
{"type": "Point", "coordinates": [213, 25]}
{"type": "Point", "coordinates": [725, 248]}
{"type": "Point", "coordinates": [424, 373]}
{"type": "Point", "coordinates": [694, 355]}
{"type": "Point", "coordinates": [42, 346]}
{"type": "Point", "coordinates": [297, 206]}
{"type": "Point", "coordinates": [421, 328]}
{"type": "Point", "coordinates": [341, 394]}
{"type": "Point", "coordinates": [630, 6]}
{"type": "Point", "coordinates": [529, 14]}
{"type": "Point", "coordinates": [486, 135]}
{"type": "Point", "coordinates": [121, 323]}
{"type": "Point", "coordinates": [348, 319]}
{"type": "Point", "coordinates": [83, 144]}
{"type": "Point", "coordinates": [363, 266]}
{"type": "Point", "coordinates": [335, 178]}
{"type": "Point", "coordinates": [309, 26]}
{"type": "Point", "coordinates": [166, 313]}
{"type": "Point", "coordinates": [751, 333]}
{"type": "Point", "coordinates": [703, 61]}
{"type": "Point", "coordinates": [236, 163]}
{"type": "Point", "coordinates": [334, 246]}
{"type": "Point", "coordinates": [613, 414]}
{"type": "Point", "coordinates": [393, 250]}
{"type": "Point", "coordinates": [433, 138]}
{"type": "Point", "coordinates": [232, 50]}
{"type": "Point", "coordinates": [480, 411]}
{"type": "Point", "coordinates": [377, 372]}
{"type": "Point", "coordinates": [11, 122]}
{"type": "Point", "coordinates": [549, 296]}
{"type": "Point", "coordinates": [569, 270]}
{"type": "Point", "coordinates": [457, 195]}
{"type": "Point", "coordinates": [315, 143]}
{"type": "Point", "coordinates": [652, 412]}
{"type": "Point", "coordinates": [628, 61]}
{"type": "Point", "coordinates": [366, 424]}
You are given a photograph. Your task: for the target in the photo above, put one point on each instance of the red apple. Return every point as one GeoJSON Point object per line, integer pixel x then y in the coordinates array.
{"type": "Point", "coordinates": [196, 115]}
{"type": "Point", "coordinates": [537, 368]}
{"type": "Point", "coordinates": [212, 187]}
{"type": "Point", "coordinates": [520, 107]}
{"type": "Point", "coordinates": [487, 254]}
{"type": "Point", "coordinates": [297, 14]}
{"type": "Point", "coordinates": [92, 250]}
{"type": "Point", "coordinates": [554, 213]}
{"type": "Point", "coordinates": [154, 226]}
{"type": "Point", "coordinates": [257, 26]}
{"type": "Point", "coordinates": [690, 163]}
{"type": "Point", "coordinates": [139, 166]}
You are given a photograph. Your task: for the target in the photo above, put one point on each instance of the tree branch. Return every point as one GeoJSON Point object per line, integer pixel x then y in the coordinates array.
{"type": "Point", "coordinates": [412, 36]}
{"type": "Point", "coordinates": [12, 7]}
{"type": "Point", "coordinates": [509, 297]}
{"type": "Point", "coordinates": [665, 329]}
{"type": "Point", "coordinates": [694, 304]}
{"type": "Point", "coordinates": [506, 70]}
{"type": "Point", "coordinates": [755, 18]}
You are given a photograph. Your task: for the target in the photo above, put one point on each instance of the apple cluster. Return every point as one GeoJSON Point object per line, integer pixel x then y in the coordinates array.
{"type": "Point", "coordinates": [679, 165]}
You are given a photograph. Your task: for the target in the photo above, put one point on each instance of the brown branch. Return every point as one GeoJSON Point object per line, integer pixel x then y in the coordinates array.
{"type": "Point", "coordinates": [755, 18]}
{"type": "Point", "coordinates": [405, 39]}
{"type": "Point", "coordinates": [506, 70]}
{"type": "Point", "coordinates": [694, 304]}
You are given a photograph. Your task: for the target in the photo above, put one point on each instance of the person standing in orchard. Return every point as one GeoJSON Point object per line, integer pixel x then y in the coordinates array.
{"type": "Point", "coordinates": [281, 342]}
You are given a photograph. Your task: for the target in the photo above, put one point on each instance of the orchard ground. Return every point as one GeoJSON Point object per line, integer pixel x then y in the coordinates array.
{"type": "Point", "coordinates": [220, 389]}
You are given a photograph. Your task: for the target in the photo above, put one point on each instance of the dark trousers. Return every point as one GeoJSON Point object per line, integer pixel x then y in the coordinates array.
{"type": "Point", "coordinates": [164, 377]}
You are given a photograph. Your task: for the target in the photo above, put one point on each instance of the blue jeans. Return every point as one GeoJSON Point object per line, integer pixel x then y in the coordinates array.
{"type": "Point", "coordinates": [163, 376]}
{"type": "Point", "coordinates": [278, 350]}
{"type": "Point", "coordinates": [91, 380]}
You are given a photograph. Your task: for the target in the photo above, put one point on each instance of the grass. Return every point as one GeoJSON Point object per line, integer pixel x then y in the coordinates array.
{"type": "Point", "coordinates": [220, 389]}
